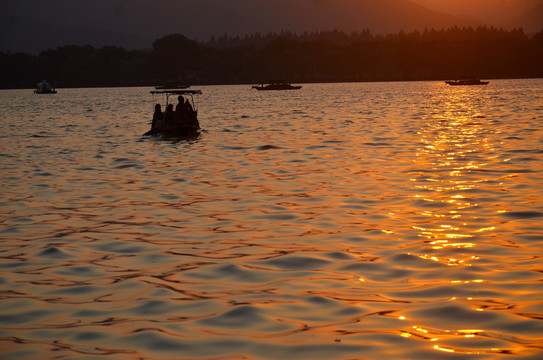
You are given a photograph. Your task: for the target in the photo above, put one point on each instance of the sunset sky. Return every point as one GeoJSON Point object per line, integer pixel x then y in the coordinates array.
{"type": "Point", "coordinates": [35, 25]}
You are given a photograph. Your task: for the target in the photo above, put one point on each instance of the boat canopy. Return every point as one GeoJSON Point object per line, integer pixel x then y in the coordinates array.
{"type": "Point", "coordinates": [177, 92]}
{"type": "Point", "coordinates": [171, 92]}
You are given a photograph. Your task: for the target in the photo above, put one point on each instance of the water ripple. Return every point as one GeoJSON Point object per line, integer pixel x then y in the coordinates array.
{"type": "Point", "coordinates": [391, 220]}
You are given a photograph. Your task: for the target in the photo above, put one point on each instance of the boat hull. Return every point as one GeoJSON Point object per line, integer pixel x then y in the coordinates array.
{"type": "Point", "coordinates": [466, 82]}
{"type": "Point", "coordinates": [177, 132]}
{"type": "Point", "coordinates": [170, 126]}
{"type": "Point", "coordinates": [276, 87]}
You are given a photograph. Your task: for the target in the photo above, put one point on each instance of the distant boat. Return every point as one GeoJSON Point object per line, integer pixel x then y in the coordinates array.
{"type": "Point", "coordinates": [44, 88]}
{"type": "Point", "coordinates": [466, 82]}
{"type": "Point", "coordinates": [276, 85]}
{"type": "Point", "coordinates": [171, 85]}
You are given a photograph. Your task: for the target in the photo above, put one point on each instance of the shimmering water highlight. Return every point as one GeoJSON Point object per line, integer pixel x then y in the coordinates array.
{"type": "Point", "coordinates": [340, 221]}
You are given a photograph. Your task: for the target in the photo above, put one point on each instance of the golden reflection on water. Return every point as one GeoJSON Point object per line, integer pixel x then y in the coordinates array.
{"type": "Point", "coordinates": [385, 236]}
{"type": "Point", "coordinates": [452, 145]}
{"type": "Point", "coordinates": [448, 143]}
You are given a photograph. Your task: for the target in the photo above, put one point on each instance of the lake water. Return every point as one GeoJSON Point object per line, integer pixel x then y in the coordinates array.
{"type": "Point", "coordinates": [340, 221]}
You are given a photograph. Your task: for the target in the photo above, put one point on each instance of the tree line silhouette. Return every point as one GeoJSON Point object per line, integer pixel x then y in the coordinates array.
{"type": "Point", "coordinates": [326, 56]}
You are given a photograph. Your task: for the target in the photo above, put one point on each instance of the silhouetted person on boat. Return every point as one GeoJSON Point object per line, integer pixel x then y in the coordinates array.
{"type": "Point", "coordinates": [169, 117]}
{"type": "Point", "coordinates": [191, 119]}
{"type": "Point", "coordinates": [157, 116]}
{"type": "Point", "coordinates": [185, 116]}
{"type": "Point", "coordinates": [180, 112]}
{"type": "Point", "coordinates": [188, 107]}
{"type": "Point", "coordinates": [180, 105]}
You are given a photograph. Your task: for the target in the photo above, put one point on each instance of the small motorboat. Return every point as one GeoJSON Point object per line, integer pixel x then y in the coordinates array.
{"type": "Point", "coordinates": [466, 82]}
{"type": "Point", "coordinates": [168, 85]}
{"type": "Point", "coordinates": [277, 85]}
{"type": "Point", "coordinates": [179, 123]}
{"type": "Point", "coordinates": [44, 88]}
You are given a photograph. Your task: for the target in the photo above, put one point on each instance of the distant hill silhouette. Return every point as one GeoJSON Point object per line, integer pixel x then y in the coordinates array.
{"type": "Point", "coordinates": [32, 36]}
{"type": "Point", "coordinates": [33, 26]}
{"type": "Point", "coordinates": [501, 13]}
{"type": "Point", "coordinates": [531, 21]}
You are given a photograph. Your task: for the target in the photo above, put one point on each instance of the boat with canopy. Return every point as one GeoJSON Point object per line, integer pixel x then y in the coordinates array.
{"type": "Point", "coordinates": [179, 123]}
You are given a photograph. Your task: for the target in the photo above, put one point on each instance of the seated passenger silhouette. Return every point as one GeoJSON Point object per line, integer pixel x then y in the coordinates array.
{"type": "Point", "coordinates": [157, 117]}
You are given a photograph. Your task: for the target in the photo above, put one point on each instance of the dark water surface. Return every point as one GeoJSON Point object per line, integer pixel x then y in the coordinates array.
{"type": "Point", "coordinates": [340, 221]}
